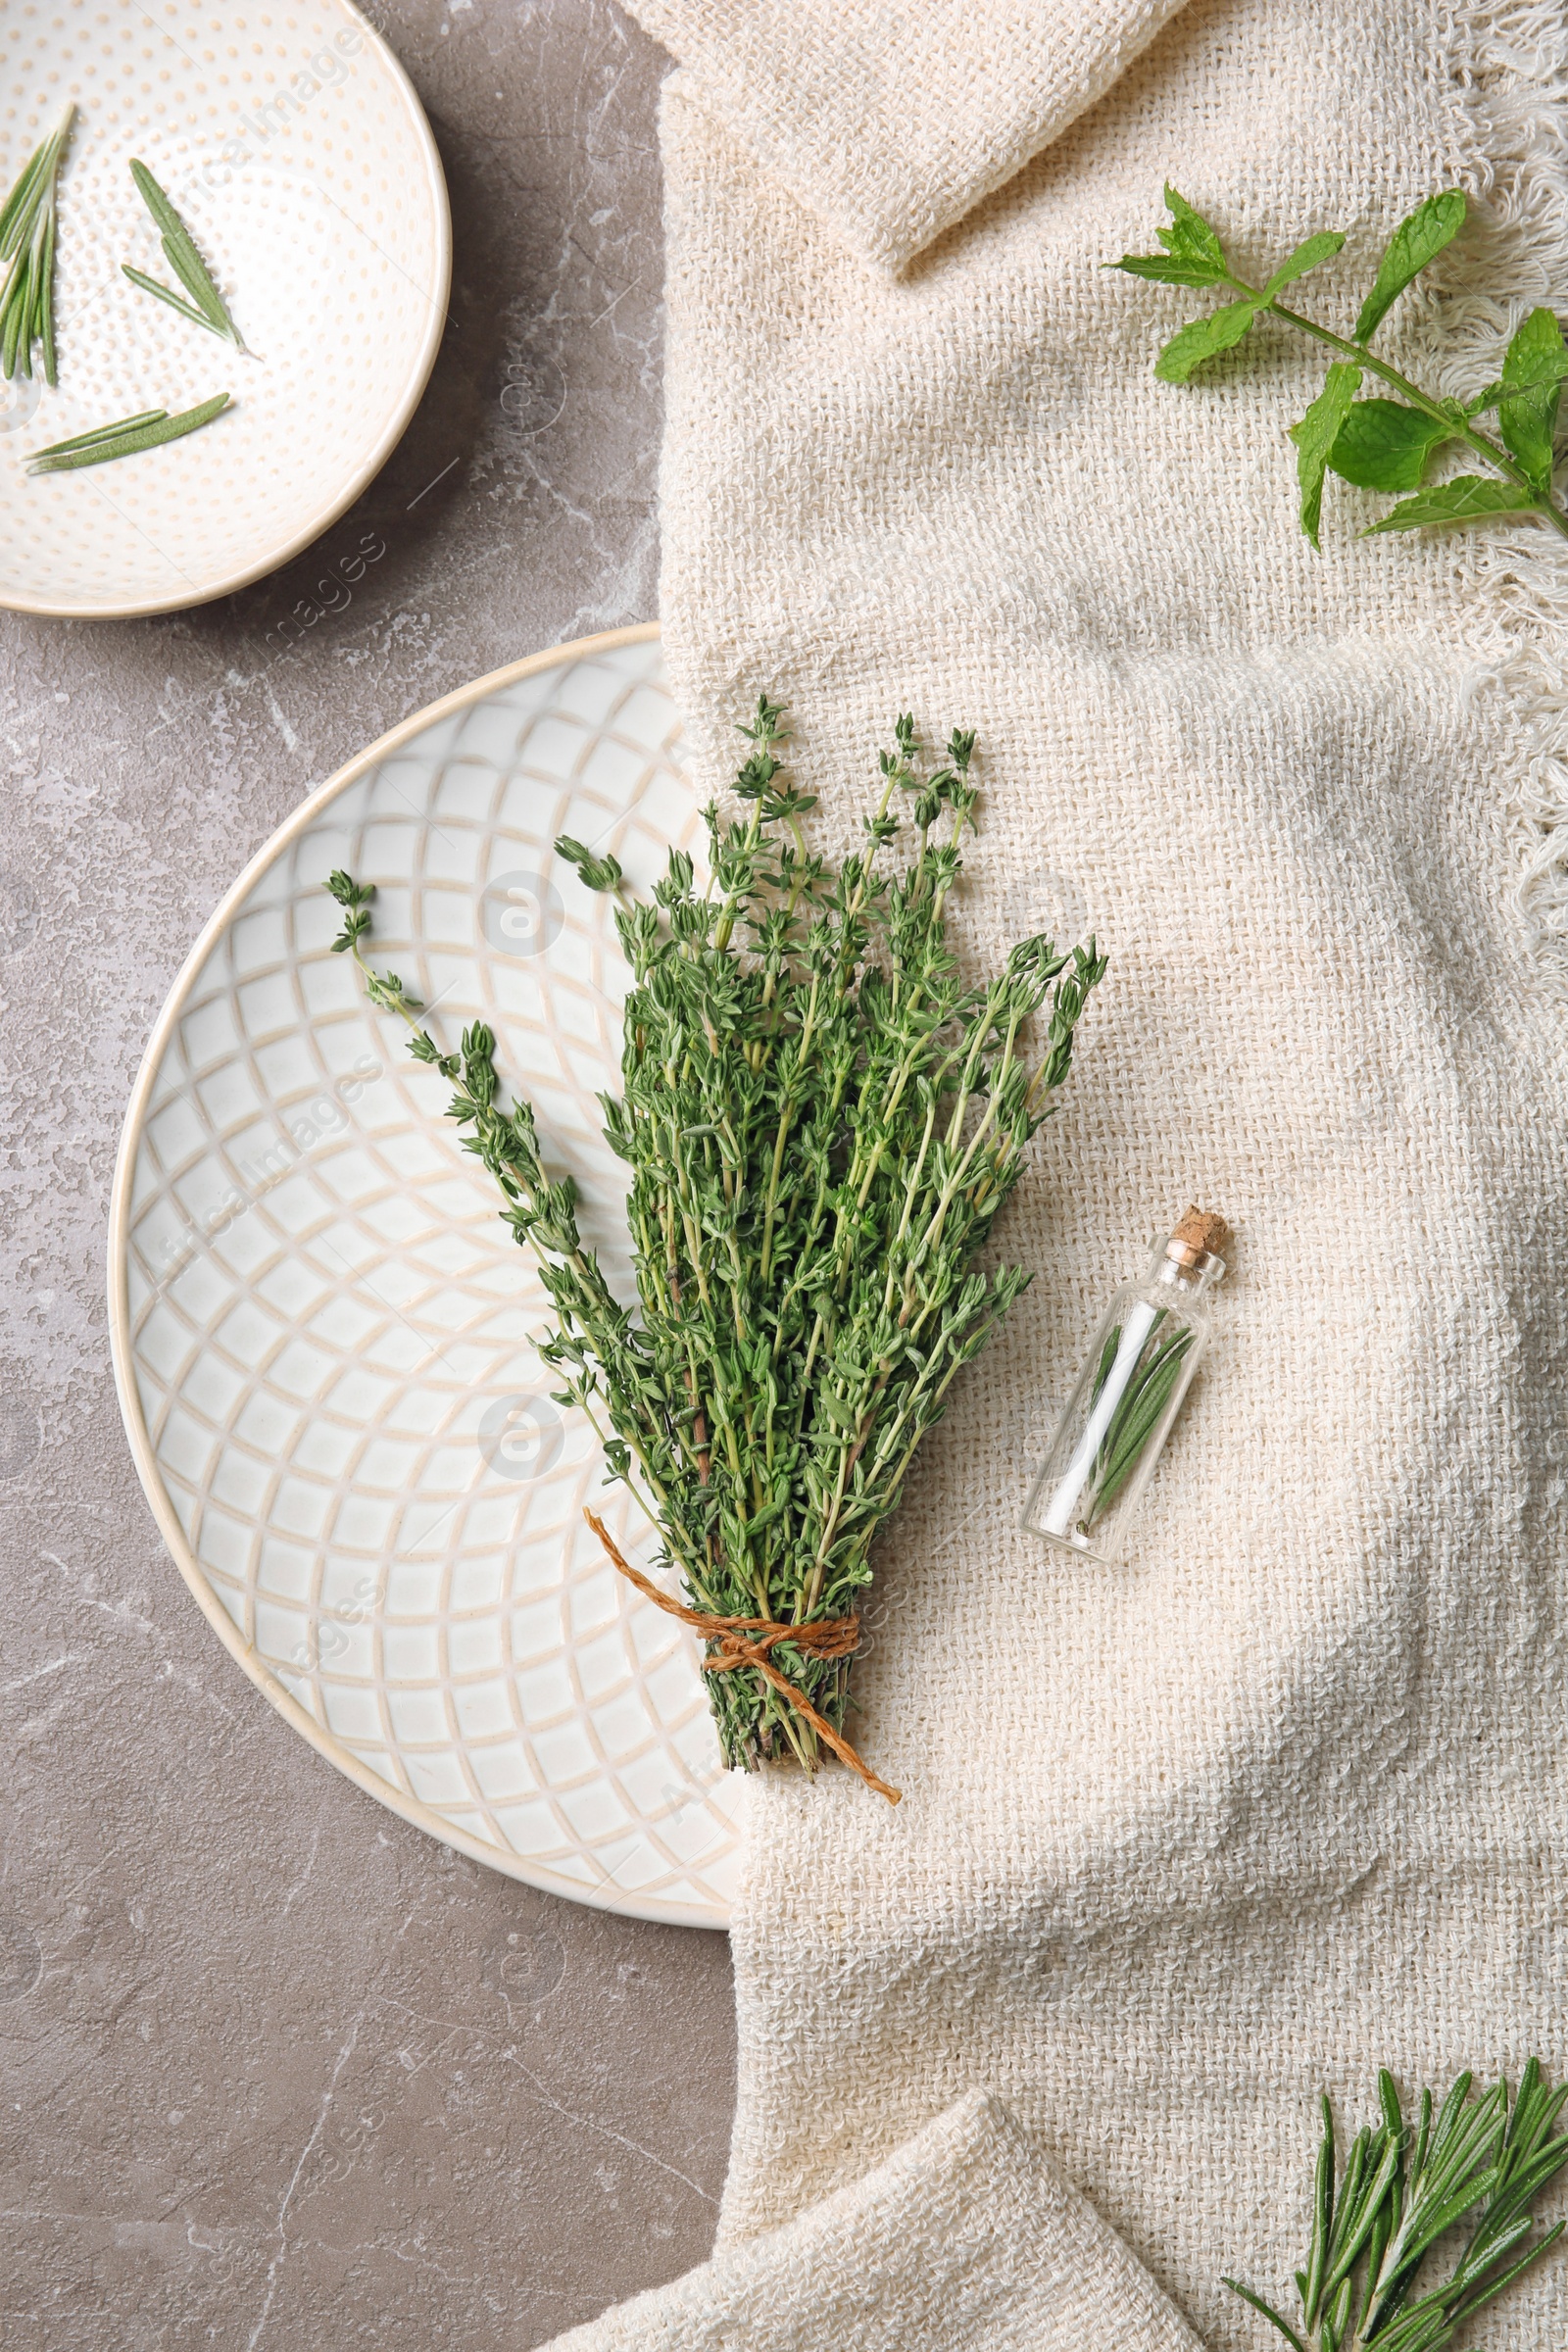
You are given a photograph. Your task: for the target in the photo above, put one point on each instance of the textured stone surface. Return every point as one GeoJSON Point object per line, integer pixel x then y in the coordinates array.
{"type": "Point", "coordinates": [277, 2069]}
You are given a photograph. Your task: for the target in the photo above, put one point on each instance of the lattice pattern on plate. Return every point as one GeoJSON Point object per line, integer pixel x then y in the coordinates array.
{"type": "Point", "coordinates": [327, 1329]}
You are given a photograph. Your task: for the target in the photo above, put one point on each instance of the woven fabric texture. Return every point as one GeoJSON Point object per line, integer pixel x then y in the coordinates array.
{"type": "Point", "coordinates": [891, 120]}
{"type": "Point", "coordinates": [965, 2240]}
{"type": "Point", "coordinates": [1283, 1798]}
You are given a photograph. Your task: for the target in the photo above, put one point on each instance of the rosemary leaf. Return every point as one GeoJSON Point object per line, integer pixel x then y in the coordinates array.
{"type": "Point", "coordinates": [176, 302]}
{"type": "Point", "coordinates": [207, 307]}
{"type": "Point", "coordinates": [127, 438]}
{"type": "Point", "coordinates": [27, 237]}
{"type": "Point", "coordinates": [1404, 2190]}
{"type": "Point", "coordinates": [100, 432]}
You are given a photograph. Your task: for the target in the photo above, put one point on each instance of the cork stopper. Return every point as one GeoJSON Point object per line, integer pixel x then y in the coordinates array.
{"type": "Point", "coordinates": [1198, 1233]}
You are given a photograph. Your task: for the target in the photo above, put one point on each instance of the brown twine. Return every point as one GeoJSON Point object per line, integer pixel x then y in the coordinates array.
{"type": "Point", "coordinates": [824, 1636]}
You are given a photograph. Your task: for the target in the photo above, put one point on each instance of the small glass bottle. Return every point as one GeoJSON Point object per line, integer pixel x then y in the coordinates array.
{"type": "Point", "coordinates": [1129, 1392]}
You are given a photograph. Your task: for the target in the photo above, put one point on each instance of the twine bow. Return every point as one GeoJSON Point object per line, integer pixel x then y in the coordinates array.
{"type": "Point", "coordinates": [734, 1645]}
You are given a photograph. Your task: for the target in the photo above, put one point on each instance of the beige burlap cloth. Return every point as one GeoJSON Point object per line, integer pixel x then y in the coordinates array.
{"type": "Point", "coordinates": [1283, 1799]}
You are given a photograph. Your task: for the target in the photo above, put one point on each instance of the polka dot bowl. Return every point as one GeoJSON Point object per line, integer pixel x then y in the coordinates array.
{"type": "Point", "coordinates": [291, 143]}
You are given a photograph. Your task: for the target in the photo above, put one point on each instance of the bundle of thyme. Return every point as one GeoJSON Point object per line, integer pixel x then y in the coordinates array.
{"type": "Point", "coordinates": [1375, 443]}
{"type": "Point", "coordinates": [822, 1118]}
{"type": "Point", "coordinates": [1376, 2221]}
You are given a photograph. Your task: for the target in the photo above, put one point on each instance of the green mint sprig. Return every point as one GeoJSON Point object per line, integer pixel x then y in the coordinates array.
{"type": "Point", "coordinates": [206, 307]}
{"type": "Point", "coordinates": [28, 231]}
{"type": "Point", "coordinates": [125, 440]}
{"type": "Point", "coordinates": [1376, 2219]}
{"type": "Point", "coordinates": [1379, 444]}
{"type": "Point", "coordinates": [822, 1118]}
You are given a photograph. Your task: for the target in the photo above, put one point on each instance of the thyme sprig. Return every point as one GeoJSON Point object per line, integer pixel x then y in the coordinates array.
{"type": "Point", "coordinates": [1380, 444]}
{"type": "Point", "coordinates": [1376, 2220]}
{"type": "Point", "coordinates": [29, 225]}
{"type": "Point", "coordinates": [822, 1118]}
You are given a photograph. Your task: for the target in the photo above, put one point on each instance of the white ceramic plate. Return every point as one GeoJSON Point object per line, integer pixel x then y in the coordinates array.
{"type": "Point", "coordinates": [322, 1329]}
{"type": "Point", "coordinates": [291, 142]}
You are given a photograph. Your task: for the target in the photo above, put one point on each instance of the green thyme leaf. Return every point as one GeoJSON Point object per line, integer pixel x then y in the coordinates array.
{"type": "Point", "coordinates": [1203, 339]}
{"type": "Point", "coordinates": [598, 873]}
{"type": "Point", "coordinates": [1468, 498]}
{"type": "Point", "coordinates": [207, 306]}
{"type": "Point", "coordinates": [1527, 421]}
{"type": "Point", "coordinates": [1316, 435]}
{"type": "Point", "coordinates": [126, 439]}
{"type": "Point", "coordinates": [1383, 445]}
{"type": "Point", "coordinates": [1416, 241]}
{"type": "Point", "coordinates": [1309, 256]}
{"type": "Point", "coordinates": [28, 223]}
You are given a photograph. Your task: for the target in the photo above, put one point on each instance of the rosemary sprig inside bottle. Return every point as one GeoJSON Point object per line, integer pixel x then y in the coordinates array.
{"type": "Point", "coordinates": [1376, 2221]}
{"type": "Point", "coordinates": [822, 1118]}
{"type": "Point", "coordinates": [28, 231]}
{"type": "Point", "coordinates": [1143, 1400]}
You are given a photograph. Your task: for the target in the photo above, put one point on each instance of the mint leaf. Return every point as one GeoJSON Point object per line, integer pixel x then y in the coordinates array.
{"type": "Point", "coordinates": [1468, 498]}
{"type": "Point", "coordinates": [1190, 236]}
{"type": "Point", "coordinates": [1548, 367]}
{"type": "Point", "coordinates": [1315, 436]}
{"type": "Point", "coordinates": [1309, 256]}
{"type": "Point", "coordinates": [1193, 256]}
{"type": "Point", "coordinates": [1416, 242]}
{"type": "Point", "coordinates": [1168, 269]}
{"type": "Point", "coordinates": [1383, 445]}
{"type": "Point", "coordinates": [1201, 339]}
{"type": "Point", "coordinates": [1527, 421]}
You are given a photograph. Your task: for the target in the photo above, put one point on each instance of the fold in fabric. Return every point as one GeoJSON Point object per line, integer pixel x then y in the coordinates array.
{"type": "Point", "coordinates": [964, 2238]}
{"type": "Point", "coordinates": [890, 118]}
{"type": "Point", "coordinates": [1283, 1798]}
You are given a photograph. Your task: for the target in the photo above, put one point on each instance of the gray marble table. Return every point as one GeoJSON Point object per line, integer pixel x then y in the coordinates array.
{"type": "Point", "coordinates": [275, 2069]}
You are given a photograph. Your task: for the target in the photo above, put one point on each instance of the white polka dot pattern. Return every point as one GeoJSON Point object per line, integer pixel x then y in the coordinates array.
{"type": "Point", "coordinates": [323, 1330]}
{"type": "Point", "coordinates": [290, 141]}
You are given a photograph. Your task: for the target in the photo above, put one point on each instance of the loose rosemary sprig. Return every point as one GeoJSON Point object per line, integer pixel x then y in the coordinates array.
{"type": "Point", "coordinates": [126, 438]}
{"type": "Point", "coordinates": [28, 229]}
{"type": "Point", "coordinates": [1400, 2189]}
{"type": "Point", "coordinates": [822, 1118]}
{"type": "Point", "coordinates": [206, 307]}
{"type": "Point", "coordinates": [1375, 443]}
